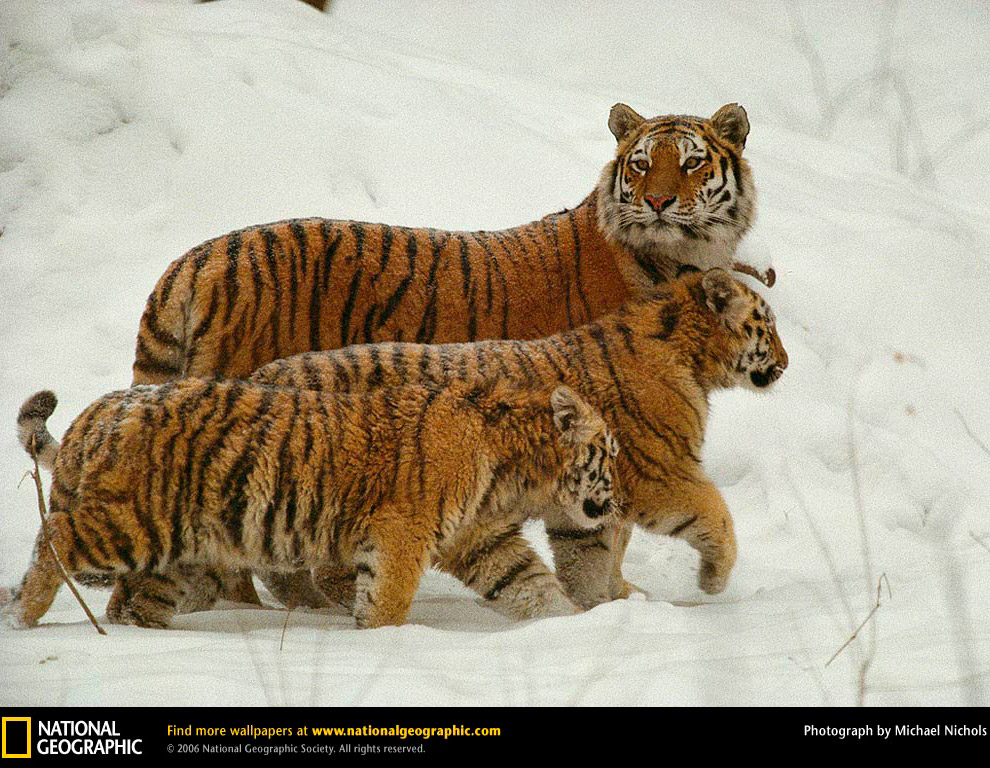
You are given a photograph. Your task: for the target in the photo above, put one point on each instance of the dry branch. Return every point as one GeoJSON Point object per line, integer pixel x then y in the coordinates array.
{"type": "Point", "coordinates": [979, 541]}
{"type": "Point", "coordinates": [285, 624]}
{"type": "Point", "coordinates": [876, 607]}
{"type": "Point", "coordinates": [43, 511]}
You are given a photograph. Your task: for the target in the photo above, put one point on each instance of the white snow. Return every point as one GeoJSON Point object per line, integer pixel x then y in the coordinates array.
{"type": "Point", "coordinates": [130, 131]}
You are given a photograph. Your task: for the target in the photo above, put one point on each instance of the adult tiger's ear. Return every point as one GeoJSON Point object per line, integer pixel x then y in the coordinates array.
{"type": "Point", "coordinates": [732, 124]}
{"type": "Point", "coordinates": [722, 296]}
{"type": "Point", "coordinates": [623, 119]}
{"type": "Point", "coordinates": [576, 420]}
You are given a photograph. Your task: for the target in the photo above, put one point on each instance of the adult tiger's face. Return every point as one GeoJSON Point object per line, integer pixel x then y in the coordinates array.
{"type": "Point", "coordinates": [587, 488]}
{"type": "Point", "coordinates": [677, 177]}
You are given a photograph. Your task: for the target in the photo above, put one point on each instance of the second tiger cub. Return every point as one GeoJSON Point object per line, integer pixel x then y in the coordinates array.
{"type": "Point", "coordinates": [155, 484]}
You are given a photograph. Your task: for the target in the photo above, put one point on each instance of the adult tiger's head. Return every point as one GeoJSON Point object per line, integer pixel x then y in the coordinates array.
{"type": "Point", "coordinates": [745, 349]}
{"type": "Point", "coordinates": [588, 487]}
{"type": "Point", "coordinates": [677, 181]}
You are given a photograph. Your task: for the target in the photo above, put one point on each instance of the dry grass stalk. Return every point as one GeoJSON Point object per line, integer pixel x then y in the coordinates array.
{"type": "Point", "coordinates": [43, 511]}
{"type": "Point", "coordinates": [876, 607]}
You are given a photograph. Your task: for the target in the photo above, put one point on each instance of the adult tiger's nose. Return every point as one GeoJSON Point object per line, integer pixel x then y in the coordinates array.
{"type": "Point", "coordinates": [659, 202]}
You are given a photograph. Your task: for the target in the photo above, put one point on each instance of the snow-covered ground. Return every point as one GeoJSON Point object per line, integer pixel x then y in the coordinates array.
{"type": "Point", "coordinates": [130, 131]}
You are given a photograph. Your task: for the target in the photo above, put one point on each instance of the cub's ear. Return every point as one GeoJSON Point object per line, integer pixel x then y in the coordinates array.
{"type": "Point", "coordinates": [623, 119]}
{"type": "Point", "coordinates": [576, 420]}
{"type": "Point", "coordinates": [732, 124]}
{"type": "Point", "coordinates": [722, 296]}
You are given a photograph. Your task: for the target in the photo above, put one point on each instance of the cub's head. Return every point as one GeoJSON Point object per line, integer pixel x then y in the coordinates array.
{"type": "Point", "coordinates": [588, 488]}
{"type": "Point", "coordinates": [747, 352]}
{"type": "Point", "coordinates": [677, 178]}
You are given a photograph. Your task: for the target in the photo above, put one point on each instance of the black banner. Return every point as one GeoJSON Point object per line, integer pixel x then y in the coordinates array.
{"type": "Point", "coordinates": [412, 734]}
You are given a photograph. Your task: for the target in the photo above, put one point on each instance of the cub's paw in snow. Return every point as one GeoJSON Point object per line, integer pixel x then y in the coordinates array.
{"type": "Point", "coordinates": [626, 589]}
{"type": "Point", "coordinates": [10, 615]}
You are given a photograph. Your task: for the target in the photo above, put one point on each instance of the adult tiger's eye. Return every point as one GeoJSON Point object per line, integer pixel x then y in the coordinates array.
{"type": "Point", "coordinates": [640, 165]}
{"type": "Point", "coordinates": [691, 163]}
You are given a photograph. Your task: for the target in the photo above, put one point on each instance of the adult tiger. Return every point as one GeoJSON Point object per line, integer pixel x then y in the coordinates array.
{"type": "Point", "coordinates": [678, 193]}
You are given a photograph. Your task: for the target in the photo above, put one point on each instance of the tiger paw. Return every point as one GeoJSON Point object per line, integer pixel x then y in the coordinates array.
{"type": "Point", "coordinates": [626, 589]}
{"type": "Point", "coordinates": [712, 579]}
{"type": "Point", "coordinates": [11, 617]}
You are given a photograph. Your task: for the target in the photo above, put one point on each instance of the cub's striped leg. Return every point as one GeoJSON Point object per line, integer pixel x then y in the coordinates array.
{"type": "Point", "coordinates": [239, 588]}
{"type": "Point", "coordinates": [619, 588]}
{"type": "Point", "coordinates": [701, 518]}
{"type": "Point", "coordinates": [584, 559]}
{"type": "Point", "coordinates": [300, 589]}
{"type": "Point", "coordinates": [234, 585]}
{"type": "Point", "coordinates": [335, 583]}
{"type": "Point", "coordinates": [499, 564]}
{"type": "Point", "coordinates": [29, 602]}
{"type": "Point", "coordinates": [389, 566]}
{"type": "Point", "coordinates": [152, 599]}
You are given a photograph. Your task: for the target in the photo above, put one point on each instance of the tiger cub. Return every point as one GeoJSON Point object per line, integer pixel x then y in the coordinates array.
{"type": "Point", "coordinates": [159, 485]}
{"type": "Point", "coordinates": [647, 367]}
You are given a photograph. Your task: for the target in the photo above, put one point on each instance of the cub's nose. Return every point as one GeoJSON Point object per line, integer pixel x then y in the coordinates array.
{"type": "Point", "coordinates": [593, 510]}
{"type": "Point", "coordinates": [659, 202]}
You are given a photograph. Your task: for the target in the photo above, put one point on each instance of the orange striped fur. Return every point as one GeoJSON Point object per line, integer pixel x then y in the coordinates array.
{"type": "Point", "coordinates": [263, 293]}
{"type": "Point", "coordinates": [648, 367]}
{"type": "Point", "coordinates": [158, 486]}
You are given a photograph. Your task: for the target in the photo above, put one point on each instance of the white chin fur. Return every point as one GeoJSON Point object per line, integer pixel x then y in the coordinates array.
{"type": "Point", "coordinates": [666, 245]}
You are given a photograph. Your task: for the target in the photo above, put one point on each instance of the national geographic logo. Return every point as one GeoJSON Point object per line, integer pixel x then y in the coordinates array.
{"type": "Point", "coordinates": [17, 737]}
{"type": "Point", "coordinates": [65, 737]}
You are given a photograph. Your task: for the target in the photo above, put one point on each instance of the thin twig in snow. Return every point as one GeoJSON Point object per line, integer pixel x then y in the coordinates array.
{"type": "Point", "coordinates": [285, 624]}
{"type": "Point", "coordinates": [43, 511]}
{"type": "Point", "coordinates": [971, 433]}
{"type": "Point", "coordinates": [876, 607]}
{"type": "Point", "coordinates": [979, 541]}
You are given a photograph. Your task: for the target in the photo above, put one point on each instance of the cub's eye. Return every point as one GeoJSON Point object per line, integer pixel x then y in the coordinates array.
{"type": "Point", "coordinates": [640, 166]}
{"type": "Point", "coordinates": [691, 163]}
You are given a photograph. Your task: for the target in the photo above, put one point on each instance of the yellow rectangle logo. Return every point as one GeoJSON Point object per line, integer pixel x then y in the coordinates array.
{"type": "Point", "coordinates": [17, 740]}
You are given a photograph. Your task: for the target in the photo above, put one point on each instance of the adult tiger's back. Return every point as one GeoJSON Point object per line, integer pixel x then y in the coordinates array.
{"type": "Point", "coordinates": [677, 193]}
{"type": "Point", "coordinates": [259, 294]}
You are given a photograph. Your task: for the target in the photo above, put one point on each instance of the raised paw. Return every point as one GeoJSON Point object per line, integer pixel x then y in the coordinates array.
{"type": "Point", "coordinates": [712, 579]}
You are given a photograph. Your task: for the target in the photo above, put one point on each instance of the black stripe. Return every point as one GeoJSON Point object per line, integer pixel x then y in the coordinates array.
{"type": "Point", "coordinates": [493, 261]}
{"type": "Point", "coordinates": [295, 259]}
{"type": "Point", "coordinates": [231, 283]}
{"type": "Point", "coordinates": [510, 576]}
{"type": "Point", "coordinates": [268, 236]}
{"type": "Point", "coordinates": [345, 319]}
{"type": "Point", "coordinates": [205, 323]}
{"type": "Point", "coordinates": [572, 534]}
{"type": "Point", "coordinates": [393, 301]}
{"type": "Point", "coordinates": [564, 273]}
{"type": "Point", "coordinates": [577, 265]}
{"type": "Point", "coordinates": [682, 526]}
{"type": "Point", "coordinates": [149, 363]}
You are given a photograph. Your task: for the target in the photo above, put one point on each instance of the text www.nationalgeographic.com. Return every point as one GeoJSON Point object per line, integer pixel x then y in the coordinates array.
{"type": "Point", "coordinates": [391, 731]}
{"type": "Point", "coordinates": [402, 732]}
